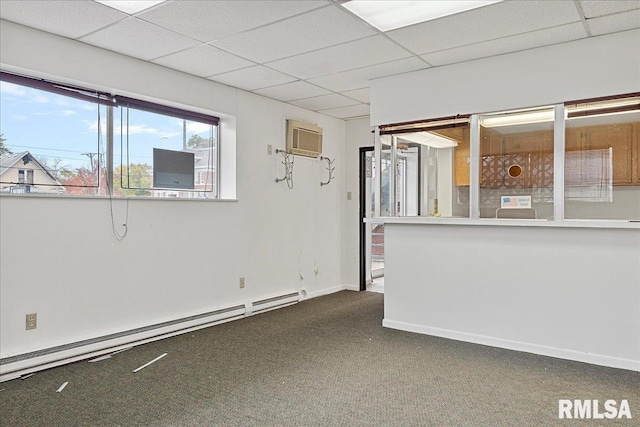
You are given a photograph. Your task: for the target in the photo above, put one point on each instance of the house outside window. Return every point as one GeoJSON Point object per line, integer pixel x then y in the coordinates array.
{"type": "Point", "coordinates": [84, 142]}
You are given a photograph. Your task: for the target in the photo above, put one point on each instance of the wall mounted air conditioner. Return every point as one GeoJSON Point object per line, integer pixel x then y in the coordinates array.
{"type": "Point", "coordinates": [304, 139]}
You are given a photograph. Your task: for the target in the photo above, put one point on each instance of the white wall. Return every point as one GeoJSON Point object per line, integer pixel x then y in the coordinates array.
{"type": "Point", "coordinates": [597, 66]}
{"type": "Point", "coordinates": [572, 293]}
{"type": "Point", "coordinates": [179, 258]}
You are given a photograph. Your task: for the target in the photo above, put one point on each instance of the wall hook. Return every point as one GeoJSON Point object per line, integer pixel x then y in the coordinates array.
{"type": "Point", "coordinates": [330, 168]}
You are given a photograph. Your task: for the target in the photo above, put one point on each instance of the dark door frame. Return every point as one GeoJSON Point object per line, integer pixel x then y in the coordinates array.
{"type": "Point", "coordinates": [363, 226]}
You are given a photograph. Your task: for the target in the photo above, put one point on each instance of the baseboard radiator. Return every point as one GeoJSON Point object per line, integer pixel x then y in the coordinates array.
{"type": "Point", "coordinates": [272, 303]}
{"type": "Point", "coordinates": [16, 366]}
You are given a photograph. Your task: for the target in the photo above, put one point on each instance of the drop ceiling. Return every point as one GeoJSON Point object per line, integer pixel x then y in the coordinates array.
{"type": "Point", "coordinates": [315, 53]}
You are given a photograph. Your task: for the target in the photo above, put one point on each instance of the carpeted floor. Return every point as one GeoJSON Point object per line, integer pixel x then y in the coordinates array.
{"type": "Point", "coordinates": [323, 362]}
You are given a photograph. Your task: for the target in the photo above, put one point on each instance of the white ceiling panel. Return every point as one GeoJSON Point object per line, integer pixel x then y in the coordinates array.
{"type": "Point", "coordinates": [361, 95]}
{"type": "Point", "coordinates": [252, 78]}
{"type": "Point", "coordinates": [612, 23]}
{"type": "Point", "coordinates": [507, 44]}
{"type": "Point", "coordinates": [353, 111]}
{"type": "Point", "coordinates": [203, 61]}
{"type": "Point", "coordinates": [139, 39]}
{"type": "Point", "coordinates": [314, 30]}
{"type": "Point", "coordinates": [594, 8]}
{"type": "Point", "coordinates": [355, 54]}
{"type": "Point", "coordinates": [210, 20]}
{"type": "Point", "coordinates": [325, 102]}
{"type": "Point", "coordinates": [292, 91]}
{"type": "Point", "coordinates": [71, 19]}
{"type": "Point", "coordinates": [359, 78]}
{"type": "Point", "coordinates": [486, 23]}
{"type": "Point", "coordinates": [314, 53]}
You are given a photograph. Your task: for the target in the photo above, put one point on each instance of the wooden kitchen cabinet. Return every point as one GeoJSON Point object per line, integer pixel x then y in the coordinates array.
{"type": "Point", "coordinates": [490, 142]}
{"type": "Point", "coordinates": [635, 155]}
{"type": "Point", "coordinates": [491, 161]}
{"type": "Point", "coordinates": [528, 142]}
{"type": "Point", "coordinates": [534, 152]}
{"type": "Point", "coordinates": [621, 138]}
{"type": "Point", "coordinates": [618, 138]}
{"type": "Point", "coordinates": [462, 163]}
{"type": "Point", "coordinates": [462, 153]}
{"type": "Point", "coordinates": [573, 139]}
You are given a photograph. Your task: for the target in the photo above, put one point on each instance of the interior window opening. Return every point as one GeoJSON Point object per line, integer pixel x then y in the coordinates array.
{"type": "Point", "coordinates": [431, 168]}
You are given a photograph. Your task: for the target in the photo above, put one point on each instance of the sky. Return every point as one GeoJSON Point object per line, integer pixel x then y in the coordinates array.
{"type": "Point", "coordinates": [52, 126]}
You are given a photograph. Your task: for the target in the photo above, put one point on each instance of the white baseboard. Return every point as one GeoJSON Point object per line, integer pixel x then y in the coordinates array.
{"type": "Point", "coordinates": [29, 365]}
{"type": "Point", "coordinates": [594, 359]}
{"type": "Point", "coordinates": [12, 369]}
{"type": "Point", "coordinates": [332, 290]}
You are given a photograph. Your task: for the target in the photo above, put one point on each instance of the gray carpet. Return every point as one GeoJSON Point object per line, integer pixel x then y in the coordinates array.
{"type": "Point", "coordinates": [323, 362]}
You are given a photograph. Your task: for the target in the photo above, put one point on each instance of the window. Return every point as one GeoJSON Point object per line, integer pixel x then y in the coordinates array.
{"type": "Point", "coordinates": [602, 179]}
{"type": "Point", "coordinates": [162, 148]}
{"type": "Point", "coordinates": [518, 171]}
{"type": "Point", "coordinates": [431, 172]}
{"type": "Point", "coordinates": [516, 164]}
{"type": "Point", "coordinates": [83, 142]}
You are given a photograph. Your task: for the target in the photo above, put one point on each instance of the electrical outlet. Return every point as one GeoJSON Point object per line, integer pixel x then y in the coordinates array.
{"type": "Point", "coordinates": [241, 282]}
{"type": "Point", "coordinates": [269, 149]}
{"type": "Point", "coordinates": [31, 321]}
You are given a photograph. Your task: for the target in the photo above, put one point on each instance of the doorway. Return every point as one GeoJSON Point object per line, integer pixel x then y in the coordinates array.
{"type": "Point", "coordinates": [405, 177]}
{"type": "Point", "coordinates": [371, 234]}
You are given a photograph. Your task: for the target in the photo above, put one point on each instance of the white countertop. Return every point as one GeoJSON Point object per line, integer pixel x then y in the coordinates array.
{"type": "Point", "coordinates": [567, 223]}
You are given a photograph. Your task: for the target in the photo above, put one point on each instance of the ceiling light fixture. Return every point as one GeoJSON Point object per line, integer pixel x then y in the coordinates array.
{"type": "Point", "coordinates": [615, 106]}
{"type": "Point", "coordinates": [130, 7]}
{"type": "Point", "coordinates": [428, 139]}
{"type": "Point", "coordinates": [520, 118]}
{"type": "Point", "coordinates": [388, 15]}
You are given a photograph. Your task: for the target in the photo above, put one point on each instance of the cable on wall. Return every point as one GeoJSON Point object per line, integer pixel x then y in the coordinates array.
{"type": "Point", "coordinates": [288, 168]}
{"type": "Point", "coordinates": [117, 234]}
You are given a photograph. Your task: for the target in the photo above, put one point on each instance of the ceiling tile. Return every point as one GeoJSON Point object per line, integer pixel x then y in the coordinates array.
{"type": "Point", "coordinates": [139, 39]}
{"type": "Point", "coordinates": [355, 54]}
{"type": "Point", "coordinates": [210, 20]}
{"type": "Point", "coordinates": [303, 33]}
{"type": "Point", "coordinates": [359, 78]}
{"type": "Point", "coordinates": [252, 78]}
{"type": "Point", "coordinates": [361, 95]}
{"type": "Point", "coordinates": [324, 102]}
{"type": "Point", "coordinates": [594, 8]}
{"type": "Point", "coordinates": [292, 91]}
{"type": "Point", "coordinates": [203, 61]}
{"type": "Point", "coordinates": [353, 111]}
{"type": "Point", "coordinates": [71, 19]}
{"type": "Point", "coordinates": [508, 44]}
{"type": "Point", "coordinates": [614, 23]}
{"type": "Point", "coordinates": [486, 23]}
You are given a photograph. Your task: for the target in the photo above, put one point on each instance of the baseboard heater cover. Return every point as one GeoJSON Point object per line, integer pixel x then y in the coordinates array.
{"type": "Point", "coordinates": [15, 366]}
{"type": "Point", "coordinates": [280, 301]}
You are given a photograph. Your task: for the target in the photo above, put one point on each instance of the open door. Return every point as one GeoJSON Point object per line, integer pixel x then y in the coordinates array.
{"type": "Point", "coordinates": [371, 235]}
{"type": "Point", "coordinates": [405, 177]}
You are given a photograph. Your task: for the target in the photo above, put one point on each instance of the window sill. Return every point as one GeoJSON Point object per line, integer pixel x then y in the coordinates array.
{"type": "Point", "coordinates": [82, 197]}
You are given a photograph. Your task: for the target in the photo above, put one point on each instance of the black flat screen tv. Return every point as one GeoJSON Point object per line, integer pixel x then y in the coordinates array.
{"type": "Point", "coordinates": [173, 169]}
